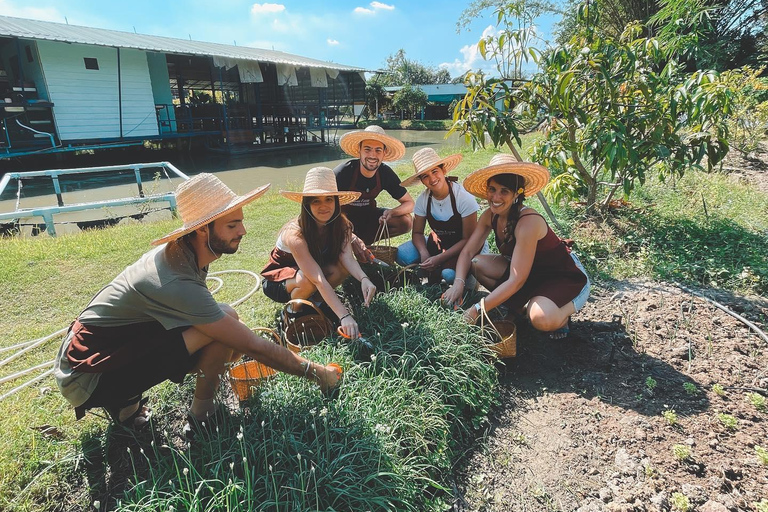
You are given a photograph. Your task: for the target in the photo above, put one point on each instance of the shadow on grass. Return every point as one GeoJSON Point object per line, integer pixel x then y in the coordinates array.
{"type": "Point", "coordinates": [711, 251]}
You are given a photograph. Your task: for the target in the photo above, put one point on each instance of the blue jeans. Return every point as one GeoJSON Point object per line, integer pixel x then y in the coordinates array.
{"type": "Point", "coordinates": [407, 255]}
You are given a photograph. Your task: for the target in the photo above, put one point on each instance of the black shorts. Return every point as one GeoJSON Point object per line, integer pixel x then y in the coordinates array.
{"type": "Point", "coordinates": [169, 360]}
{"type": "Point", "coordinates": [276, 291]}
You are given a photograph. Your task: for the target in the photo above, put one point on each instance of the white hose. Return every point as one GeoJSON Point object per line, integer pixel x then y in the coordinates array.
{"type": "Point", "coordinates": [26, 346]}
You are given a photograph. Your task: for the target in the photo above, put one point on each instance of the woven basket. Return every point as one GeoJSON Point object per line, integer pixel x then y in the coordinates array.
{"type": "Point", "coordinates": [383, 251]}
{"type": "Point", "coordinates": [306, 329]}
{"type": "Point", "coordinates": [502, 333]}
{"type": "Point", "coordinates": [246, 375]}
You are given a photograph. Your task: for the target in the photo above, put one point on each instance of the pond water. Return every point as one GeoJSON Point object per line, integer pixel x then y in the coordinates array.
{"type": "Point", "coordinates": [282, 168]}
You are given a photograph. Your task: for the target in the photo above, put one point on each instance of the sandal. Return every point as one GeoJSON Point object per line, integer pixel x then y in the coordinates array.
{"type": "Point", "coordinates": [138, 420]}
{"type": "Point", "coordinates": [561, 333]}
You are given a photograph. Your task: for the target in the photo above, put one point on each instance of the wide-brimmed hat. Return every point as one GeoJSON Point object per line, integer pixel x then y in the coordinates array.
{"type": "Point", "coordinates": [535, 175]}
{"type": "Point", "coordinates": [426, 159]}
{"type": "Point", "coordinates": [321, 181]}
{"type": "Point", "coordinates": [203, 199]}
{"type": "Point", "coordinates": [393, 148]}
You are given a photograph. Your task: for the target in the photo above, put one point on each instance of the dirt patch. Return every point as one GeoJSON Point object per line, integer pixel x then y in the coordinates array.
{"type": "Point", "coordinates": [581, 424]}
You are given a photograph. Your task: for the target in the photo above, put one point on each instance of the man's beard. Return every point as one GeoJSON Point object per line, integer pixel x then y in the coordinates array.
{"type": "Point", "coordinates": [220, 246]}
{"type": "Point", "coordinates": [363, 163]}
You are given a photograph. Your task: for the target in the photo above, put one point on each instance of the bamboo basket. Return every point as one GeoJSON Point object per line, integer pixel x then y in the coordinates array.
{"type": "Point", "coordinates": [246, 375]}
{"type": "Point", "coordinates": [503, 334]}
{"type": "Point", "coordinates": [383, 251]}
{"type": "Point", "coordinates": [306, 329]}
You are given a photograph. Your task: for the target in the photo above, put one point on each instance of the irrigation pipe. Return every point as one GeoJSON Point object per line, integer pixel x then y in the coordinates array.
{"type": "Point", "coordinates": [29, 345]}
{"type": "Point", "coordinates": [732, 313]}
{"type": "Point", "coordinates": [23, 372]}
{"type": "Point", "coordinates": [28, 383]}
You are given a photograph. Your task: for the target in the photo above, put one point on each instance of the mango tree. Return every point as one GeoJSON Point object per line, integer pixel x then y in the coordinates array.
{"type": "Point", "coordinates": [612, 110]}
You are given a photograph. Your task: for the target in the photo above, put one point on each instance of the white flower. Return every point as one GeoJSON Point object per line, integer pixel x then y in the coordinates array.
{"type": "Point", "coordinates": [239, 436]}
{"type": "Point", "coordinates": [323, 412]}
{"type": "Point", "coordinates": [97, 504]}
{"type": "Point", "coordinates": [231, 466]}
{"type": "Point", "coordinates": [404, 325]}
{"type": "Point", "coordinates": [185, 471]}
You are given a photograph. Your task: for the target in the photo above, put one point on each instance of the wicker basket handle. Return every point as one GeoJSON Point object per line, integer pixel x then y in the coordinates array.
{"type": "Point", "coordinates": [382, 231]}
{"type": "Point", "coordinates": [271, 333]}
{"type": "Point", "coordinates": [484, 316]}
{"type": "Point", "coordinates": [302, 302]}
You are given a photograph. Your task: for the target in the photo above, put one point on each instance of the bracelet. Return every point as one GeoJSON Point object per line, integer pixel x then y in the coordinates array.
{"type": "Point", "coordinates": [460, 279]}
{"type": "Point", "coordinates": [364, 277]}
{"type": "Point", "coordinates": [307, 365]}
{"type": "Point", "coordinates": [345, 316]}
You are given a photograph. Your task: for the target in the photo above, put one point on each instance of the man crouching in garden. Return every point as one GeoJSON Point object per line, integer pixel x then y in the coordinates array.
{"type": "Point", "coordinates": [158, 321]}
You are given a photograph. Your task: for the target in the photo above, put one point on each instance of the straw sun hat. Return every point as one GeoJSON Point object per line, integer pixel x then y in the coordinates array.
{"type": "Point", "coordinates": [535, 175]}
{"type": "Point", "coordinates": [426, 159]}
{"type": "Point", "coordinates": [321, 182]}
{"type": "Point", "coordinates": [393, 148]}
{"type": "Point", "coordinates": [203, 199]}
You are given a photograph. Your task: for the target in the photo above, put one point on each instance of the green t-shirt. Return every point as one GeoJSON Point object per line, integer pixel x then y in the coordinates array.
{"type": "Point", "coordinates": [165, 285]}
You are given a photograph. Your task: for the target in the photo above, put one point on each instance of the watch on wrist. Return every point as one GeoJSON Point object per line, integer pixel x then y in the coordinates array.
{"type": "Point", "coordinates": [477, 307]}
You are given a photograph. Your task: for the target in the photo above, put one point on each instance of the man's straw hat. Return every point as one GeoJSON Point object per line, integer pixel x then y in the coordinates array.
{"type": "Point", "coordinates": [203, 199]}
{"type": "Point", "coordinates": [426, 159]}
{"type": "Point", "coordinates": [535, 175]}
{"type": "Point", "coordinates": [320, 182]}
{"type": "Point", "coordinates": [393, 148]}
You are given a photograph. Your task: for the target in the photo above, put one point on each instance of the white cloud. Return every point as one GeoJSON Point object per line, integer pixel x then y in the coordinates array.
{"type": "Point", "coordinates": [332, 42]}
{"type": "Point", "coordinates": [266, 8]}
{"type": "Point", "coordinates": [35, 13]}
{"type": "Point", "coordinates": [471, 58]}
{"type": "Point", "coordinates": [376, 6]}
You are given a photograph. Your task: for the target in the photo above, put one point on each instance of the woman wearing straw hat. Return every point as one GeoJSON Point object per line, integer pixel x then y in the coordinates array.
{"type": "Point", "coordinates": [368, 174]}
{"type": "Point", "coordinates": [535, 267]}
{"type": "Point", "coordinates": [158, 321]}
{"type": "Point", "coordinates": [450, 211]}
{"type": "Point", "coordinates": [314, 252]}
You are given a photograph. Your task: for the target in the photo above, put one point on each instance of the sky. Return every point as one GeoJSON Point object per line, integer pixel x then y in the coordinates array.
{"type": "Point", "coordinates": [352, 32]}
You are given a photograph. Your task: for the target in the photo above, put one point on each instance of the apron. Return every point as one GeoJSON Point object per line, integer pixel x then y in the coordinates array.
{"type": "Point", "coordinates": [445, 233]}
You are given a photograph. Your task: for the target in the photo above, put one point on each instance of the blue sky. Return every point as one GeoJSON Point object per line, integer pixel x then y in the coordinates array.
{"type": "Point", "coordinates": [353, 32]}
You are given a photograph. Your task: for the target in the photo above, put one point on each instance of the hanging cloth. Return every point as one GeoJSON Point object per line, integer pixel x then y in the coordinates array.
{"type": "Point", "coordinates": [318, 77]}
{"type": "Point", "coordinates": [286, 74]}
{"type": "Point", "coordinates": [250, 72]}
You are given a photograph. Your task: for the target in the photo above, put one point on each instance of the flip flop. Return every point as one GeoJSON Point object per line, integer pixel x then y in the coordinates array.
{"type": "Point", "coordinates": [138, 420]}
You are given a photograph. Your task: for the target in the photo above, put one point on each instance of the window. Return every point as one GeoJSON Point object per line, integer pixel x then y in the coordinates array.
{"type": "Point", "coordinates": [91, 63]}
{"type": "Point", "coordinates": [29, 53]}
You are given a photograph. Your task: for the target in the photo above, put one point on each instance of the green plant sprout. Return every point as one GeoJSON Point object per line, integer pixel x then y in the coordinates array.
{"type": "Point", "coordinates": [680, 502]}
{"type": "Point", "coordinates": [757, 400]}
{"type": "Point", "coordinates": [728, 421]}
{"type": "Point", "coordinates": [650, 383]}
{"type": "Point", "coordinates": [671, 416]}
{"type": "Point", "coordinates": [762, 455]}
{"type": "Point", "coordinates": [690, 388]}
{"type": "Point", "coordinates": [681, 452]}
{"type": "Point", "coordinates": [718, 389]}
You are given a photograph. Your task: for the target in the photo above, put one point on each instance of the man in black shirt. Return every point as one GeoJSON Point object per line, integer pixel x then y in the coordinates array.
{"type": "Point", "coordinates": [369, 175]}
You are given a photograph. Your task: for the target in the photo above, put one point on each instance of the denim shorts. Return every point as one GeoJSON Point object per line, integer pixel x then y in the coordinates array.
{"type": "Point", "coordinates": [581, 299]}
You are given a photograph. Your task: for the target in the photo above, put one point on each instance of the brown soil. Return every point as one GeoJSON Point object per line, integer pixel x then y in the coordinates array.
{"type": "Point", "coordinates": [580, 426]}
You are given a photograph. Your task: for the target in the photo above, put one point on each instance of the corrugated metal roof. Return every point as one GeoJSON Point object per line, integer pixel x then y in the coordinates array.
{"type": "Point", "coordinates": [34, 29]}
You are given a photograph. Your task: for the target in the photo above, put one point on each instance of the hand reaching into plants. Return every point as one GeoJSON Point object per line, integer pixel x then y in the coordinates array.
{"type": "Point", "coordinates": [454, 296]}
{"type": "Point", "coordinates": [328, 377]}
{"type": "Point", "coordinates": [368, 289]}
{"type": "Point", "coordinates": [349, 326]}
{"type": "Point", "coordinates": [471, 315]}
{"type": "Point", "coordinates": [361, 252]}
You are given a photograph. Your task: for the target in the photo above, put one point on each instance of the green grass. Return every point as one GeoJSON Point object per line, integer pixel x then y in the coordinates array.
{"type": "Point", "coordinates": [663, 234]}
